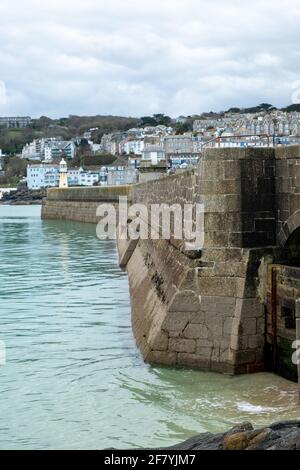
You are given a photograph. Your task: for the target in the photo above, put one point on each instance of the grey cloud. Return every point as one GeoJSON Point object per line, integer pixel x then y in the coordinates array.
{"type": "Point", "coordinates": [140, 57]}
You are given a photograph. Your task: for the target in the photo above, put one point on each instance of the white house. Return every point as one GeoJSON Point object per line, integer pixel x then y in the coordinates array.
{"type": "Point", "coordinates": [134, 146]}
{"type": "Point", "coordinates": [178, 144]}
{"type": "Point", "coordinates": [88, 178]}
{"type": "Point", "coordinates": [153, 154]}
{"type": "Point", "coordinates": [47, 176]}
{"type": "Point", "coordinates": [31, 151]}
{"type": "Point", "coordinates": [95, 147]}
{"type": "Point", "coordinates": [117, 175]}
{"type": "Point", "coordinates": [47, 149]}
{"type": "Point", "coordinates": [42, 176]}
{"type": "Point", "coordinates": [58, 149]}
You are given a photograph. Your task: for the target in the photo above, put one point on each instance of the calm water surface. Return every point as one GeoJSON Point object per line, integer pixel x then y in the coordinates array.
{"type": "Point", "coordinates": [74, 378]}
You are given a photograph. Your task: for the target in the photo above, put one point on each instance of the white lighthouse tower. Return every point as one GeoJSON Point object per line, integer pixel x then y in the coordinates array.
{"type": "Point", "coordinates": [63, 174]}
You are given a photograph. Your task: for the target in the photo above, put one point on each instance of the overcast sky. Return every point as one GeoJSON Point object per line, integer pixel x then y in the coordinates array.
{"type": "Point", "coordinates": [138, 57]}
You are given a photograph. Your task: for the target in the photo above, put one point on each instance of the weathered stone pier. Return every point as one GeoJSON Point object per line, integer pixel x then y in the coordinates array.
{"type": "Point", "coordinates": [230, 307]}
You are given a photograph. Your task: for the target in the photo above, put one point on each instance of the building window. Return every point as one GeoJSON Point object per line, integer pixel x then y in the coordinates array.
{"type": "Point", "coordinates": [289, 317]}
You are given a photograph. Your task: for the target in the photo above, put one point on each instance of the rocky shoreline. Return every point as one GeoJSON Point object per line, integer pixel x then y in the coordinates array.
{"type": "Point", "coordinates": [23, 197]}
{"type": "Point", "coordinates": [279, 436]}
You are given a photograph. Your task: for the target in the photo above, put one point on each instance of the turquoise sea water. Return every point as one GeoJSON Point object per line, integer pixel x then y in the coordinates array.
{"type": "Point", "coordinates": [73, 377]}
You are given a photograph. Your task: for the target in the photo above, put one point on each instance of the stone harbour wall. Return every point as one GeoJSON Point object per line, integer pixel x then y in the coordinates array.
{"type": "Point", "coordinates": [203, 309]}
{"type": "Point", "coordinates": [206, 308]}
{"type": "Point", "coordinates": [70, 210]}
{"type": "Point", "coordinates": [80, 204]}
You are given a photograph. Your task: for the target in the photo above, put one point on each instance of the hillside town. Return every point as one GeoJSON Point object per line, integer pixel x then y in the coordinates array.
{"type": "Point", "coordinates": [150, 151]}
{"type": "Point", "coordinates": [150, 231]}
